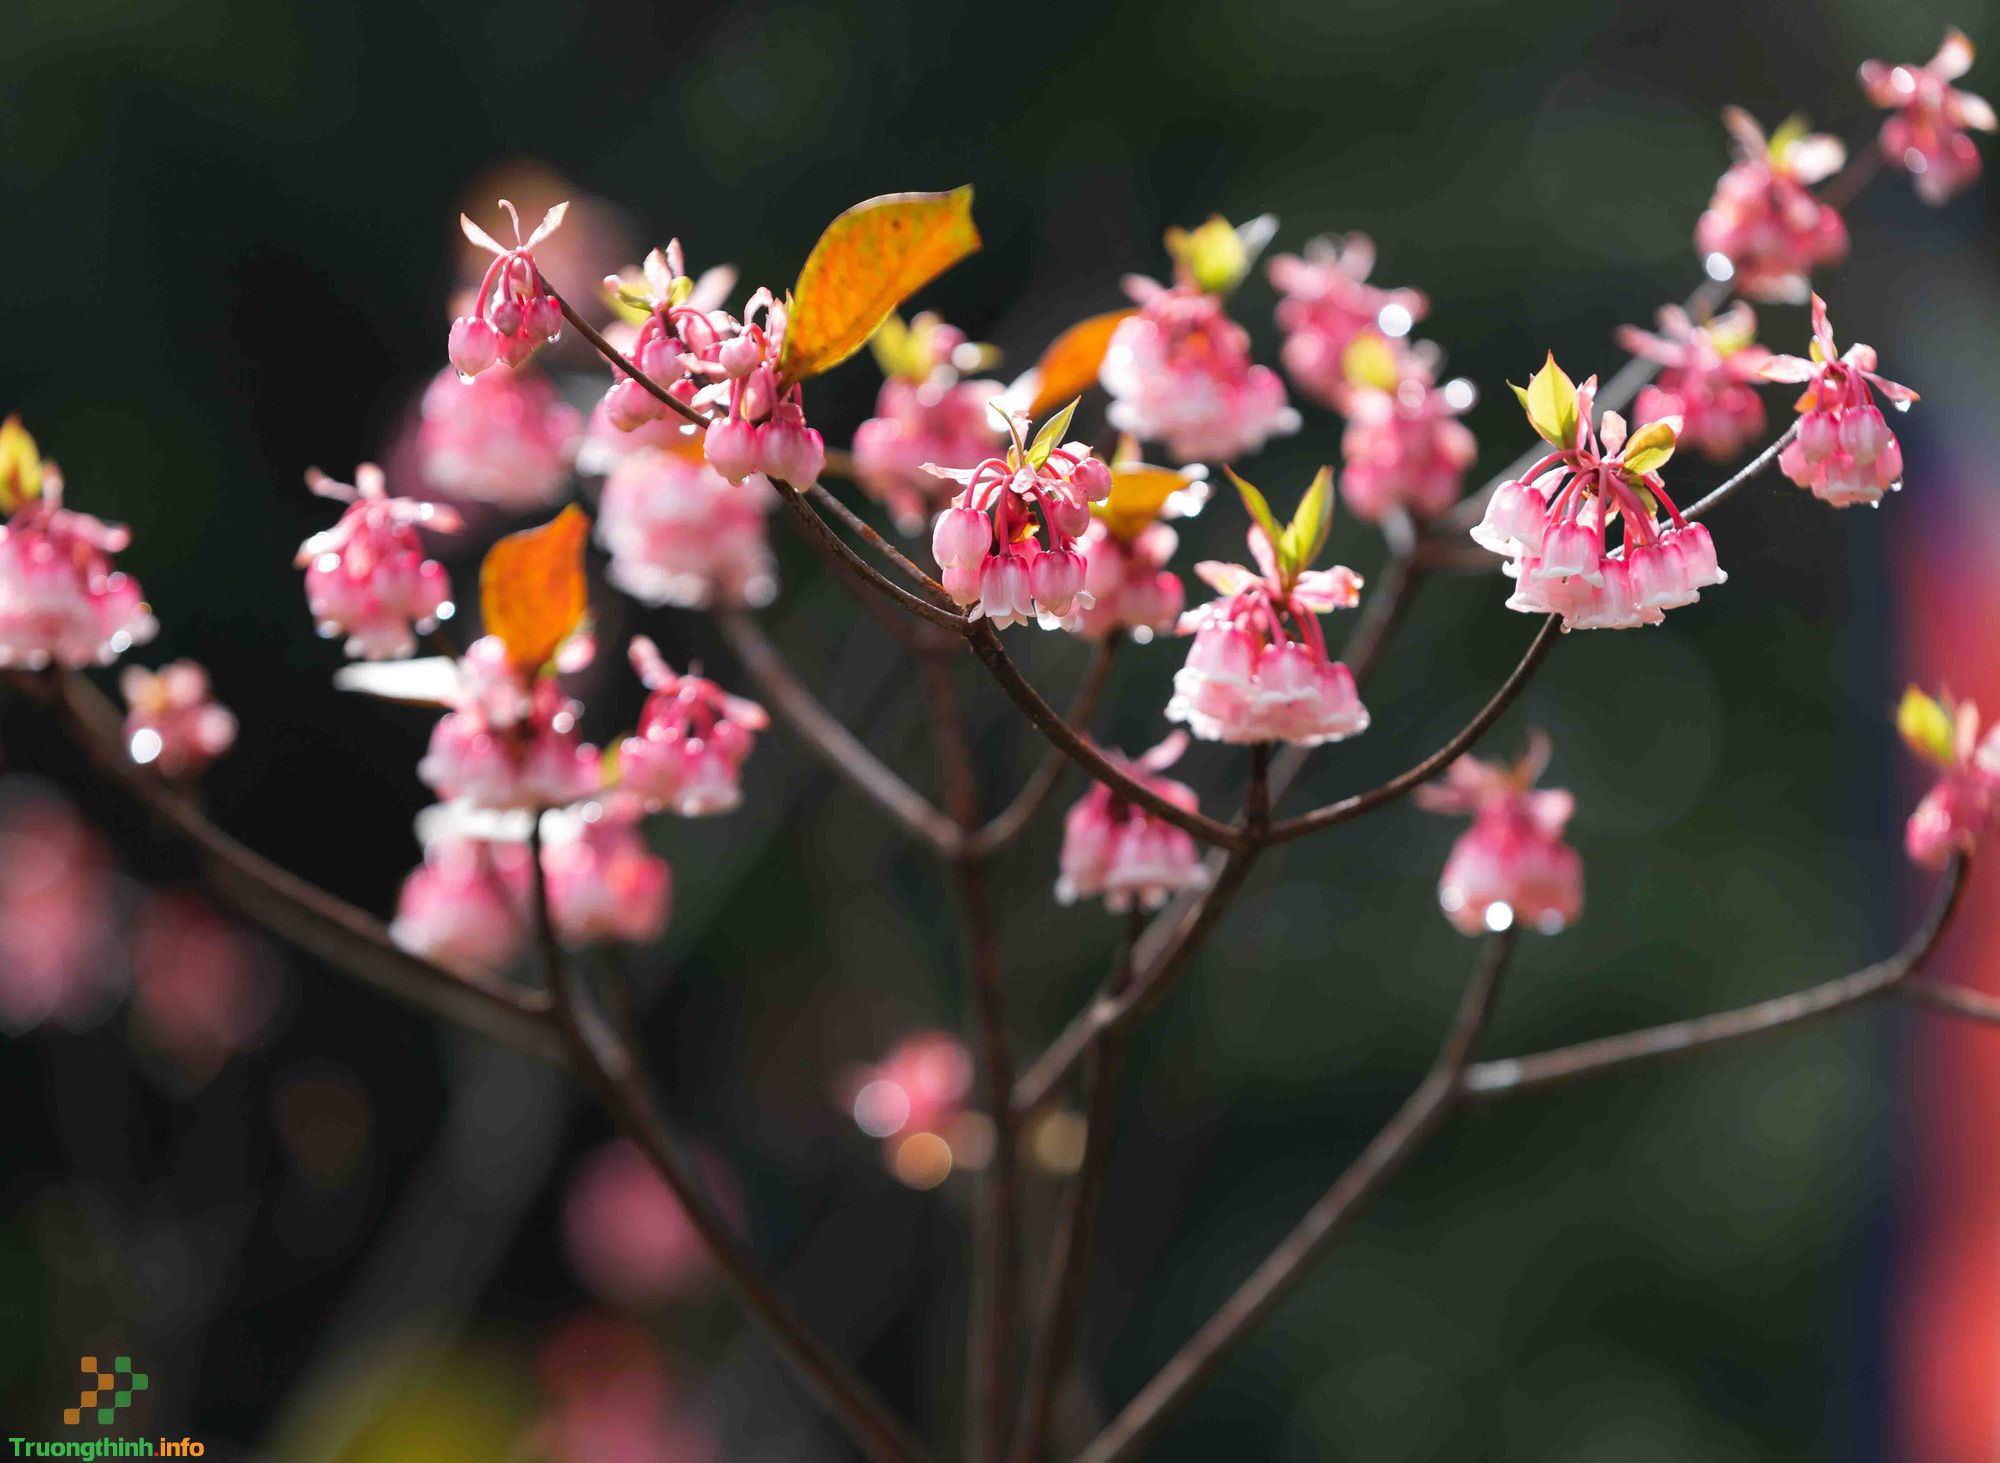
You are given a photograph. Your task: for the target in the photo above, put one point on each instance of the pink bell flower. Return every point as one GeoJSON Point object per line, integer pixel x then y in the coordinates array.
{"type": "Point", "coordinates": [1116, 851]}
{"type": "Point", "coordinates": [1709, 374]}
{"type": "Point", "coordinates": [367, 577]}
{"type": "Point", "coordinates": [1511, 866]}
{"type": "Point", "coordinates": [1925, 133]}
{"type": "Point", "coordinates": [1844, 451]}
{"type": "Point", "coordinates": [1964, 803]}
{"type": "Point", "coordinates": [692, 741]}
{"type": "Point", "coordinates": [1404, 446]}
{"type": "Point", "coordinates": [1179, 372]}
{"type": "Point", "coordinates": [504, 438]}
{"type": "Point", "coordinates": [511, 739]}
{"type": "Point", "coordinates": [1764, 228]}
{"type": "Point", "coordinates": [172, 722]}
{"type": "Point", "coordinates": [514, 311]}
{"type": "Point", "coordinates": [680, 534]}
{"type": "Point", "coordinates": [1327, 306]}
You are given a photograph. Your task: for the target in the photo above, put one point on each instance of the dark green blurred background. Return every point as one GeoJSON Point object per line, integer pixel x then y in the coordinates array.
{"type": "Point", "coordinates": [229, 240]}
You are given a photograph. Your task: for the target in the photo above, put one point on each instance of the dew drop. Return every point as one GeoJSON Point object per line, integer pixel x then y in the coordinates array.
{"type": "Point", "coordinates": [1499, 916]}
{"type": "Point", "coordinates": [146, 745]}
{"type": "Point", "coordinates": [1395, 321]}
{"type": "Point", "coordinates": [1718, 268]}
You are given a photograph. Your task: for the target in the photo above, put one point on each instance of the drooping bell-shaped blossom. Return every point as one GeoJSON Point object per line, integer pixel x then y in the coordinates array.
{"type": "Point", "coordinates": [628, 1236]}
{"type": "Point", "coordinates": [1511, 867]}
{"type": "Point", "coordinates": [925, 413]}
{"type": "Point", "coordinates": [680, 534]}
{"type": "Point", "coordinates": [1709, 374]}
{"type": "Point", "coordinates": [1179, 372]}
{"type": "Point", "coordinates": [504, 438]}
{"type": "Point", "coordinates": [58, 960]}
{"type": "Point", "coordinates": [1131, 589]}
{"type": "Point", "coordinates": [692, 741]}
{"type": "Point", "coordinates": [1117, 851]}
{"type": "Point", "coordinates": [61, 601]}
{"type": "Point", "coordinates": [1553, 523]}
{"type": "Point", "coordinates": [173, 722]}
{"type": "Point", "coordinates": [1007, 545]}
{"type": "Point", "coordinates": [605, 883]}
{"type": "Point", "coordinates": [718, 364]}
{"type": "Point", "coordinates": [1844, 451]}
{"type": "Point", "coordinates": [465, 906]}
{"type": "Point", "coordinates": [1764, 227]}
{"type": "Point", "coordinates": [1258, 670]}
{"type": "Point", "coordinates": [511, 738]}
{"type": "Point", "coordinates": [1128, 544]}
{"type": "Point", "coordinates": [921, 1086]}
{"type": "Point", "coordinates": [609, 1398]}
{"type": "Point", "coordinates": [367, 577]}
{"type": "Point", "coordinates": [1964, 803]}
{"type": "Point", "coordinates": [1404, 446]}
{"type": "Point", "coordinates": [1328, 305]}
{"type": "Point", "coordinates": [1925, 133]}
{"type": "Point", "coordinates": [514, 311]}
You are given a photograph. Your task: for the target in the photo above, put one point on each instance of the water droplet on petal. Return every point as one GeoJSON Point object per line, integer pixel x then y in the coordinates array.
{"type": "Point", "coordinates": [146, 745]}
{"type": "Point", "coordinates": [1499, 916]}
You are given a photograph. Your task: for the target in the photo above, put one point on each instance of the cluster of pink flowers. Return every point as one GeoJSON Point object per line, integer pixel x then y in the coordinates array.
{"type": "Point", "coordinates": [1708, 378]}
{"type": "Point", "coordinates": [514, 311]}
{"type": "Point", "coordinates": [715, 362]}
{"type": "Point", "coordinates": [1258, 670]}
{"type": "Point", "coordinates": [1404, 446]}
{"type": "Point", "coordinates": [1178, 369]}
{"type": "Point", "coordinates": [692, 742]}
{"type": "Point", "coordinates": [172, 721]}
{"type": "Point", "coordinates": [1965, 801]}
{"type": "Point", "coordinates": [1552, 523]}
{"type": "Point", "coordinates": [469, 905]}
{"type": "Point", "coordinates": [511, 739]}
{"type": "Point", "coordinates": [61, 601]}
{"type": "Point", "coordinates": [505, 438]}
{"type": "Point", "coordinates": [1328, 305]}
{"type": "Point", "coordinates": [1925, 133]}
{"type": "Point", "coordinates": [1511, 866]}
{"type": "Point", "coordinates": [1131, 589]}
{"type": "Point", "coordinates": [1844, 451]}
{"type": "Point", "coordinates": [1763, 220]}
{"type": "Point", "coordinates": [367, 577]}
{"type": "Point", "coordinates": [1179, 372]}
{"type": "Point", "coordinates": [680, 534]}
{"type": "Point", "coordinates": [1117, 851]}
{"type": "Point", "coordinates": [987, 544]}
{"type": "Point", "coordinates": [925, 414]}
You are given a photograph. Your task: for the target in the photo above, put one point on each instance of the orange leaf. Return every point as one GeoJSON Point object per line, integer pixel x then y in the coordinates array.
{"type": "Point", "coordinates": [869, 260]}
{"type": "Point", "coordinates": [1069, 366]}
{"type": "Point", "coordinates": [531, 587]}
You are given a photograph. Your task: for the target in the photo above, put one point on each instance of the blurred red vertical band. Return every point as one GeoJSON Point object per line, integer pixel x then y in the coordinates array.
{"type": "Point", "coordinates": [1945, 1316]}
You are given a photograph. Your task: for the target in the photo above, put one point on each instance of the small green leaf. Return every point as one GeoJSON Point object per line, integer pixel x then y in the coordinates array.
{"type": "Point", "coordinates": [1551, 403]}
{"type": "Point", "coordinates": [1306, 534]}
{"type": "Point", "coordinates": [1051, 435]}
{"type": "Point", "coordinates": [1649, 448]}
{"type": "Point", "coordinates": [1369, 360]}
{"type": "Point", "coordinates": [1926, 726]}
{"type": "Point", "coordinates": [1260, 511]}
{"type": "Point", "coordinates": [1213, 256]}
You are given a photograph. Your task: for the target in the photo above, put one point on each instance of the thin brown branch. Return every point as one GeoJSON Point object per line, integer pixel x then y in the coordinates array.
{"type": "Point", "coordinates": [859, 525]}
{"type": "Point", "coordinates": [1081, 750]}
{"type": "Point", "coordinates": [1713, 498]}
{"type": "Point", "coordinates": [1952, 1000]}
{"type": "Point", "coordinates": [1406, 781]}
{"type": "Point", "coordinates": [1419, 1116]}
{"type": "Point", "coordinates": [997, 1227]}
{"type": "Point", "coordinates": [1007, 824]}
{"type": "Point", "coordinates": [834, 744]}
{"type": "Point", "coordinates": [1076, 1236]}
{"type": "Point", "coordinates": [1507, 1076]}
{"type": "Point", "coordinates": [612, 1071]}
{"type": "Point", "coordinates": [290, 908]}
{"type": "Point", "coordinates": [835, 550]}
{"type": "Point", "coordinates": [618, 359]}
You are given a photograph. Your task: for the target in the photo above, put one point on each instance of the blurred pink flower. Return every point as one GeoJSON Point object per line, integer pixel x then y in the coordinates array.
{"type": "Point", "coordinates": [504, 438]}
{"type": "Point", "coordinates": [1118, 851]}
{"type": "Point", "coordinates": [679, 534]}
{"type": "Point", "coordinates": [1925, 133]}
{"type": "Point", "coordinates": [610, 1399]}
{"type": "Point", "coordinates": [173, 723]}
{"type": "Point", "coordinates": [56, 959]}
{"type": "Point", "coordinates": [202, 989]}
{"type": "Point", "coordinates": [1511, 866]}
{"type": "Point", "coordinates": [628, 1237]}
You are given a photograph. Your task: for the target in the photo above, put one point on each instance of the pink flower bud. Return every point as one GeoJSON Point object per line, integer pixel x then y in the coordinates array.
{"type": "Point", "coordinates": [731, 448]}
{"type": "Point", "coordinates": [760, 393]}
{"type": "Point", "coordinates": [630, 405]}
{"type": "Point", "coordinates": [1516, 517]}
{"type": "Point", "coordinates": [474, 345]}
{"type": "Point", "coordinates": [961, 536]}
{"type": "Point", "coordinates": [1818, 436]}
{"type": "Point", "coordinates": [660, 359]}
{"type": "Point", "coordinates": [740, 356]}
{"type": "Point", "coordinates": [507, 316]}
{"type": "Point", "coordinates": [544, 318]}
{"type": "Point", "coordinates": [790, 450]}
{"type": "Point", "coordinates": [1093, 479]}
{"type": "Point", "coordinates": [1056, 578]}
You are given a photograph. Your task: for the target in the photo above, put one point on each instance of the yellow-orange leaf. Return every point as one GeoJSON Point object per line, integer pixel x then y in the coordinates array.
{"type": "Point", "coordinates": [1138, 493]}
{"type": "Point", "coordinates": [869, 260]}
{"type": "Point", "coordinates": [1069, 367]}
{"type": "Point", "coordinates": [531, 587]}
